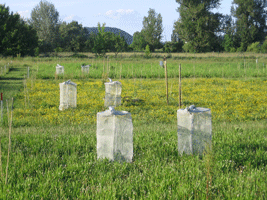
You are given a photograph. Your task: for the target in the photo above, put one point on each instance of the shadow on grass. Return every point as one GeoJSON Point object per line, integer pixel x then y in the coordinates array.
{"type": "Point", "coordinates": [10, 78]}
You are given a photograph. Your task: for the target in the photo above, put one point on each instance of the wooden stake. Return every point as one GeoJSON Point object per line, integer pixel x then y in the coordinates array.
{"type": "Point", "coordinates": [9, 140]}
{"type": "Point", "coordinates": [132, 72]}
{"type": "Point", "coordinates": [1, 169]}
{"type": "Point", "coordinates": [120, 72]}
{"type": "Point", "coordinates": [180, 87]}
{"type": "Point", "coordinates": [166, 78]}
{"type": "Point", "coordinates": [1, 107]}
{"type": "Point", "coordinates": [151, 71]}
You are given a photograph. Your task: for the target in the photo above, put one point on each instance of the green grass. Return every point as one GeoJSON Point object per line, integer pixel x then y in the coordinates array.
{"type": "Point", "coordinates": [128, 66]}
{"type": "Point", "coordinates": [151, 69]}
{"type": "Point", "coordinates": [59, 162]}
{"type": "Point", "coordinates": [12, 81]}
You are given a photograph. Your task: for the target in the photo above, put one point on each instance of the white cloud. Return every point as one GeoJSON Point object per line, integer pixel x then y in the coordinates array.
{"type": "Point", "coordinates": [24, 14]}
{"type": "Point", "coordinates": [26, 4]}
{"type": "Point", "coordinates": [68, 18]}
{"type": "Point", "coordinates": [125, 19]}
{"type": "Point", "coordinates": [71, 18]}
{"type": "Point", "coordinates": [116, 14]}
{"type": "Point", "coordinates": [64, 3]}
{"type": "Point", "coordinates": [110, 12]}
{"type": "Point", "coordinates": [123, 12]}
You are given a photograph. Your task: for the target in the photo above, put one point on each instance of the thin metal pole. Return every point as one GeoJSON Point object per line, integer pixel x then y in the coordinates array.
{"type": "Point", "coordinates": [180, 87]}
{"type": "Point", "coordinates": [120, 71]}
{"type": "Point", "coordinates": [9, 140]}
{"type": "Point", "coordinates": [166, 78]}
{"type": "Point", "coordinates": [1, 107]}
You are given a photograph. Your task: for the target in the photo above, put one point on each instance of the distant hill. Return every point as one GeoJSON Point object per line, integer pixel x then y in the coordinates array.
{"type": "Point", "coordinates": [127, 36]}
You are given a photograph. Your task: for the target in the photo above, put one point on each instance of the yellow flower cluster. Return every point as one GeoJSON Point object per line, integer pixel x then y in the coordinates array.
{"type": "Point", "coordinates": [229, 100]}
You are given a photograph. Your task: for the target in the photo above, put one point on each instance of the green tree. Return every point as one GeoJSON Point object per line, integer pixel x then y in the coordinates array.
{"type": "Point", "coordinates": [175, 35]}
{"type": "Point", "coordinates": [197, 25]}
{"type": "Point", "coordinates": [16, 37]}
{"type": "Point", "coordinates": [139, 42]}
{"type": "Point", "coordinates": [152, 29]}
{"type": "Point", "coordinates": [173, 47]}
{"type": "Point", "coordinates": [147, 52]}
{"type": "Point", "coordinates": [227, 27]}
{"type": "Point", "coordinates": [228, 43]}
{"type": "Point", "coordinates": [250, 21]}
{"type": "Point", "coordinates": [100, 47]}
{"type": "Point", "coordinates": [73, 37]}
{"type": "Point", "coordinates": [45, 20]}
{"type": "Point", "coordinates": [264, 46]}
{"type": "Point", "coordinates": [118, 44]}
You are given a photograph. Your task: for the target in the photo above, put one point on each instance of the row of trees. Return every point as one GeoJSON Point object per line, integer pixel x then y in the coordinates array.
{"type": "Point", "coordinates": [150, 34]}
{"type": "Point", "coordinates": [201, 30]}
{"type": "Point", "coordinates": [198, 29]}
{"type": "Point", "coordinates": [16, 36]}
{"type": "Point", "coordinates": [45, 33]}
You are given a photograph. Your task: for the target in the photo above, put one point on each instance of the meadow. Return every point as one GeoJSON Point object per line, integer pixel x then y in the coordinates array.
{"type": "Point", "coordinates": [53, 153]}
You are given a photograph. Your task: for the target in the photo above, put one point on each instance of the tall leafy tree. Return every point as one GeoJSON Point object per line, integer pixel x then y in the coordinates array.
{"type": "Point", "coordinates": [198, 25]}
{"type": "Point", "coordinates": [227, 28]}
{"type": "Point", "coordinates": [250, 21]}
{"type": "Point", "coordinates": [16, 37]}
{"type": "Point", "coordinates": [152, 29]}
{"type": "Point", "coordinates": [45, 20]}
{"type": "Point", "coordinates": [118, 44]}
{"type": "Point", "coordinates": [73, 36]}
{"type": "Point", "coordinates": [139, 42]}
{"type": "Point", "coordinates": [100, 41]}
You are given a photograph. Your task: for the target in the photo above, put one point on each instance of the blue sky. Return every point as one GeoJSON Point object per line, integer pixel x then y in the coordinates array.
{"type": "Point", "coordinates": [124, 14]}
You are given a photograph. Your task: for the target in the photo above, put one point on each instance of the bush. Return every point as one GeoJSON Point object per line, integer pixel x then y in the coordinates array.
{"type": "Point", "coordinates": [264, 46]}
{"type": "Point", "coordinates": [232, 49]}
{"type": "Point", "coordinates": [187, 47]}
{"type": "Point", "coordinates": [254, 47]}
{"type": "Point", "coordinates": [147, 51]}
{"type": "Point", "coordinates": [173, 47]}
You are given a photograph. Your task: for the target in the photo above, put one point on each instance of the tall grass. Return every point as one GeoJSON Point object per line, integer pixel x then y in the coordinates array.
{"type": "Point", "coordinates": [130, 65]}
{"type": "Point", "coordinates": [59, 162]}
{"type": "Point", "coordinates": [151, 69]}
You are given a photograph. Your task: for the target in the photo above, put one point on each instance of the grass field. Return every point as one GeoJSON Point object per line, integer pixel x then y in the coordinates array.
{"type": "Point", "coordinates": [53, 154]}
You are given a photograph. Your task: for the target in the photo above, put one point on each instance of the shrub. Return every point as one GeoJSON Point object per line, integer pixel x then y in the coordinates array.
{"type": "Point", "coordinates": [173, 47]}
{"type": "Point", "coordinates": [254, 47]}
{"type": "Point", "coordinates": [147, 51]}
{"type": "Point", "coordinates": [188, 47]}
{"type": "Point", "coordinates": [264, 46]}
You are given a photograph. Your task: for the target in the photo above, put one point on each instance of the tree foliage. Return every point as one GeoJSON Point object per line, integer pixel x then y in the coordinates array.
{"type": "Point", "coordinates": [104, 42]}
{"type": "Point", "coordinates": [16, 37]}
{"type": "Point", "coordinates": [139, 42]}
{"type": "Point", "coordinates": [73, 37]}
{"type": "Point", "coordinates": [250, 22]}
{"type": "Point", "coordinates": [197, 25]}
{"type": "Point", "coordinates": [118, 44]}
{"type": "Point", "coordinates": [100, 44]}
{"type": "Point", "coordinates": [45, 20]}
{"type": "Point", "coordinates": [152, 29]}
{"type": "Point", "coordinates": [173, 47]}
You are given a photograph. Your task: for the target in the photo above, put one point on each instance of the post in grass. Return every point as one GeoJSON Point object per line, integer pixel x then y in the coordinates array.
{"type": "Point", "coordinates": [1, 107]}
{"type": "Point", "coordinates": [9, 136]}
{"type": "Point", "coordinates": [180, 87]}
{"type": "Point", "coordinates": [166, 78]}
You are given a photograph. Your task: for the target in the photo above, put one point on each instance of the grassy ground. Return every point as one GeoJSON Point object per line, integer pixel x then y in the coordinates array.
{"type": "Point", "coordinates": [59, 161]}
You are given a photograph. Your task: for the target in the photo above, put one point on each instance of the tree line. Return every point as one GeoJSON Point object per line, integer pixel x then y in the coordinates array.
{"type": "Point", "coordinates": [45, 33]}
{"type": "Point", "coordinates": [198, 29]}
